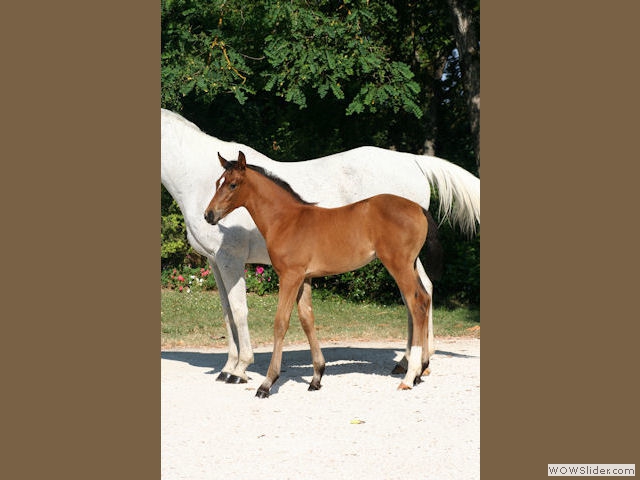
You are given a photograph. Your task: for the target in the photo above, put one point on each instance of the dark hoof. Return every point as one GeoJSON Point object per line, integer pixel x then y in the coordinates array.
{"type": "Point", "coordinates": [235, 379]}
{"type": "Point", "coordinates": [223, 377]}
{"type": "Point", "coordinates": [398, 369]}
{"type": "Point", "coordinates": [262, 393]}
{"type": "Point", "coordinates": [416, 381]}
{"type": "Point", "coordinates": [313, 387]}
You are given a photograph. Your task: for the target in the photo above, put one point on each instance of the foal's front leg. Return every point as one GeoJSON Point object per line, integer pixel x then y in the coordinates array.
{"type": "Point", "coordinates": [287, 293]}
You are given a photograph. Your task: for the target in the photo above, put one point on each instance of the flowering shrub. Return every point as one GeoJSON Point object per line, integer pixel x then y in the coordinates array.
{"type": "Point", "coordinates": [187, 279]}
{"type": "Point", "coordinates": [261, 280]}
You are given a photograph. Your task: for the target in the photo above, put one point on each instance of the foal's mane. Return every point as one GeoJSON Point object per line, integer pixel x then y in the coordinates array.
{"type": "Point", "coordinates": [277, 180]}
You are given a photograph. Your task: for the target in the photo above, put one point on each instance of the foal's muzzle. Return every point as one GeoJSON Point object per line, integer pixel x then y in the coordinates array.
{"type": "Point", "coordinates": [211, 217]}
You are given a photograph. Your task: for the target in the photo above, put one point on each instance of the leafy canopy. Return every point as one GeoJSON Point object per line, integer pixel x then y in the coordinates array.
{"type": "Point", "coordinates": [294, 49]}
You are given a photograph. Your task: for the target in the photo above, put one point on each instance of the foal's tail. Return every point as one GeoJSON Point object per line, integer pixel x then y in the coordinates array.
{"type": "Point", "coordinates": [458, 190]}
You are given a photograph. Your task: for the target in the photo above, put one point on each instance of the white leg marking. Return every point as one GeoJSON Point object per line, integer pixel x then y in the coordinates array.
{"type": "Point", "coordinates": [415, 366]}
{"type": "Point", "coordinates": [415, 360]}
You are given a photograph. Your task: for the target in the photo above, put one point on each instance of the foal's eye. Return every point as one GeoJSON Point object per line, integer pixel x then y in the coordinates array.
{"type": "Point", "coordinates": [232, 186]}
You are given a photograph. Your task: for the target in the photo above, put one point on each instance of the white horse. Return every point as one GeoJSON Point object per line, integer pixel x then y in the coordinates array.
{"type": "Point", "coordinates": [190, 167]}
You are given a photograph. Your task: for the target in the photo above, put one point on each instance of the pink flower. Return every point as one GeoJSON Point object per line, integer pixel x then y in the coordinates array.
{"type": "Point", "coordinates": [259, 271]}
{"type": "Point", "coordinates": [180, 288]}
{"type": "Point", "coordinates": [180, 279]}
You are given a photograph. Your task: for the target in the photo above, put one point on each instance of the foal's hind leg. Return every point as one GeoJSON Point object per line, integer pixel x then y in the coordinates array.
{"type": "Point", "coordinates": [401, 366]}
{"type": "Point", "coordinates": [418, 359]}
{"type": "Point", "coordinates": [307, 319]}
{"type": "Point", "coordinates": [287, 294]}
{"type": "Point", "coordinates": [418, 302]}
{"type": "Point", "coordinates": [428, 285]}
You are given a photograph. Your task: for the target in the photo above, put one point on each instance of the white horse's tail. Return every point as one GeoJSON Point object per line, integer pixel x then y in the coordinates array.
{"type": "Point", "coordinates": [458, 190]}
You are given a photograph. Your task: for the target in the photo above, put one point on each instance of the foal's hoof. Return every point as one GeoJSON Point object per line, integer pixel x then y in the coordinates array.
{"type": "Point", "coordinates": [402, 386]}
{"type": "Point", "coordinates": [416, 381]}
{"type": "Point", "coordinates": [262, 393]}
{"type": "Point", "coordinates": [223, 377]}
{"type": "Point", "coordinates": [235, 379]}
{"type": "Point", "coordinates": [398, 369]}
{"type": "Point", "coordinates": [314, 387]}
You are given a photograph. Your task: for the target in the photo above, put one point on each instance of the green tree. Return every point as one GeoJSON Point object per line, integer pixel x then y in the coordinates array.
{"type": "Point", "coordinates": [291, 48]}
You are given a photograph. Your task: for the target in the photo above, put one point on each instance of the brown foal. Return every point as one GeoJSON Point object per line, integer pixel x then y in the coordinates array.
{"type": "Point", "coordinates": [305, 241]}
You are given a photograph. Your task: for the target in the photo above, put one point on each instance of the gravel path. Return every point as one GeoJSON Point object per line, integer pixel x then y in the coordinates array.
{"type": "Point", "coordinates": [357, 426]}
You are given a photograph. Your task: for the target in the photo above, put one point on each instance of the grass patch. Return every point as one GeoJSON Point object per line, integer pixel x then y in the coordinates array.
{"type": "Point", "coordinates": [195, 319]}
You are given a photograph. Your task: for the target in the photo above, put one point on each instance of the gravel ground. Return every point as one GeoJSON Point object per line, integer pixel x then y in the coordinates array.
{"type": "Point", "coordinates": [357, 426]}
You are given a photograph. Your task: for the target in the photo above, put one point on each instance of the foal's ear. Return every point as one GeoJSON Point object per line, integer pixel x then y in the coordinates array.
{"type": "Point", "coordinates": [225, 164]}
{"type": "Point", "coordinates": [242, 161]}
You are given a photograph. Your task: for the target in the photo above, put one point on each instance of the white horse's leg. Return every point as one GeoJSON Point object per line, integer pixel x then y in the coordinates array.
{"type": "Point", "coordinates": [232, 333]}
{"type": "Point", "coordinates": [231, 272]}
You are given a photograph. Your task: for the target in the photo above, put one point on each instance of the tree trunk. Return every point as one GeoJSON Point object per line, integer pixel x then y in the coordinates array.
{"type": "Point", "coordinates": [431, 117]}
{"type": "Point", "coordinates": [466, 28]}
{"type": "Point", "coordinates": [431, 74]}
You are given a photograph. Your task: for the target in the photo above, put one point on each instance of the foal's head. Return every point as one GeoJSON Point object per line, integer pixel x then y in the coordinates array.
{"type": "Point", "coordinates": [229, 195]}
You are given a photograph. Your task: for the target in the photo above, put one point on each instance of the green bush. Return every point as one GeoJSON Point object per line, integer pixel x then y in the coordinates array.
{"type": "Point", "coordinates": [460, 282]}
{"type": "Point", "coordinates": [173, 243]}
{"type": "Point", "coordinates": [174, 248]}
{"type": "Point", "coordinates": [371, 283]}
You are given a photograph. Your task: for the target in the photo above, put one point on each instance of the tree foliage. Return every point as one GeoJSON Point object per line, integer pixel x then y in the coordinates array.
{"type": "Point", "coordinates": [300, 79]}
{"type": "Point", "coordinates": [291, 48]}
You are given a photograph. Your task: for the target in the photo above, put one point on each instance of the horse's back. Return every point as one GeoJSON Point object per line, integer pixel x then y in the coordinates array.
{"type": "Point", "coordinates": [375, 220]}
{"type": "Point", "coordinates": [396, 210]}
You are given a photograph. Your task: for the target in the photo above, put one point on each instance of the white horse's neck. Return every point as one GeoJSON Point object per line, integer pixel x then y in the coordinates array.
{"type": "Point", "coordinates": [188, 159]}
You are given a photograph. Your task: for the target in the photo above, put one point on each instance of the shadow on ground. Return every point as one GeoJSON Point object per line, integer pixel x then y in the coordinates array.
{"type": "Point", "coordinates": [296, 364]}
